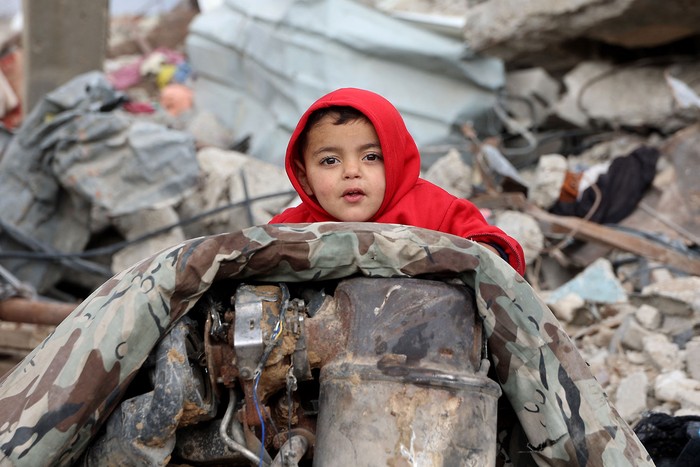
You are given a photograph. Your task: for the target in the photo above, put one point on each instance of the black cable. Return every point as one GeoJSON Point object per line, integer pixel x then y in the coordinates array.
{"type": "Point", "coordinates": [248, 209]}
{"type": "Point", "coordinates": [675, 245]}
{"type": "Point", "coordinates": [48, 253]}
{"type": "Point", "coordinates": [43, 251]}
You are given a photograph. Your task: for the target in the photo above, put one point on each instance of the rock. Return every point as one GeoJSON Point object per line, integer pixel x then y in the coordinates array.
{"type": "Point", "coordinates": [692, 358]}
{"type": "Point", "coordinates": [132, 226]}
{"type": "Point", "coordinates": [209, 131]}
{"type": "Point", "coordinates": [536, 86]}
{"type": "Point", "coordinates": [631, 396]}
{"type": "Point", "coordinates": [662, 353]}
{"type": "Point", "coordinates": [596, 284]}
{"type": "Point", "coordinates": [452, 174]}
{"type": "Point", "coordinates": [567, 307]}
{"type": "Point", "coordinates": [229, 177]}
{"type": "Point", "coordinates": [649, 317]}
{"type": "Point", "coordinates": [525, 230]}
{"type": "Point", "coordinates": [675, 386]}
{"type": "Point", "coordinates": [633, 334]}
{"type": "Point", "coordinates": [538, 32]}
{"type": "Point", "coordinates": [549, 178]}
{"type": "Point", "coordinates": [685, 290]}
{"type": "Point", "coordinates": [601, 92]}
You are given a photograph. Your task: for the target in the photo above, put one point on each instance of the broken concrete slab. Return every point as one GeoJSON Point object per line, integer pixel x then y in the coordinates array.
{"type": "Point", "coordinates": [631, 396]}
{"type": "Point", "coordinates": [537, 32]}
{"type": "Point", "coordinates": [531, 95]}
{"type": "Point", "coordinates": [680, 201]}
{"type": "Point", "coordinates": [692, 358]}
{"type": "Point", "coordinates": [683, 290]}
{"type": "Point", "coordinates": [662, 353]}
{"type": "Point", "coordinates": [595, 284]}
{"type": "Point", "coordinates": [135, 225]}
{"type": "Point", "coordinates": [525, 230]}
{"type": "Point", "coordinates": [648, 316]}
{"type": "Point", "coordinates": [675, 386]}
{"type": "Point", "coordinates": [631, 96]}
{"type": "Point", "coordinates": [549, 177]}
{"type": "Point", "coordinates": [568, 307]}
{"type": "Point", "coordinates": [452, 174]}
{"type": "Point", "coordinates": [229, 186]}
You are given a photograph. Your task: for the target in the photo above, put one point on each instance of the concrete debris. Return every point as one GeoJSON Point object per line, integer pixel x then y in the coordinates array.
{"type": "Point", "coordinates": [520, 108]}
{"type": "Point", "coordinates": [631, 396]}
{"type": "Point", "coordinates": [692, 358]}
{"type": "Point", "coordinates": [648, 316]}
{"type": "Point", "coordinates": [594, 91]}
{"type": "Point", "coordinates": [253, 191]}
{"type": "Point", "coordinates": [568, 307]}
{"type": "Point", "coordinates": [662, 353]}
{"type": "Point", "coordinates": [597, 284]}
{"type": "Point", "coordinates": [451, 173]}
{"type": "Point", "coordinates": [133, 226]}
{"type": "Point", "coordinates": [632, 335]}
{"type": "Point", "coordinates": [533, 93]}
{"type": "Point", "coordinates": [542, 31]}
{"type": "Point", "coordinates": [683, 289]}
{"type": "Point", "coordinates": [525, 230]}
{"type": "Point", "coordinates": [550, 176]}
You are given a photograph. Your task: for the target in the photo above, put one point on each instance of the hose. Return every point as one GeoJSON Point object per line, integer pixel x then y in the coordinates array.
{"type": "Point", "coordinates": [230, 442]}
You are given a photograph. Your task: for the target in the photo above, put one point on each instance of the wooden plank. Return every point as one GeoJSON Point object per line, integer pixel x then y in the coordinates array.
{"type": "Point", "coordinates": [23, 310]}
{"type": "Point", "coordinates": [590, 231]}
{"type": "Point", "coordinates": [22, 336]}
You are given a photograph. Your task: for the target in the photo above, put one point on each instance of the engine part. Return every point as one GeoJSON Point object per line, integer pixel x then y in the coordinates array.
{"type": "Point", "coordinates": [142, 429]}
{"type": "Point", "coordinates": [380, 372]}
{"type": "Point", "coordinates": [410, 388]}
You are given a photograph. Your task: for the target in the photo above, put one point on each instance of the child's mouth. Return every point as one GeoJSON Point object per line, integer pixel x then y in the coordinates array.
{"type": "Point", "coordinates": [353, 195]}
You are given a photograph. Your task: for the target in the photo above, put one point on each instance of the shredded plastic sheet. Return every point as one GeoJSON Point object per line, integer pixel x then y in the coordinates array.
{"type": "Point", "coordinates": [76, 151]}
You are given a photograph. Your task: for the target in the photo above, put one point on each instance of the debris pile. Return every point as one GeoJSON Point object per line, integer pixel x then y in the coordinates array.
{"type": "Point", "coordinates": [588, 156]}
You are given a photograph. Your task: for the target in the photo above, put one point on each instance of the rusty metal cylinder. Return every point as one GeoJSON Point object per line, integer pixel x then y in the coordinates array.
{"type": "Point", "coordinates": [410, 389]}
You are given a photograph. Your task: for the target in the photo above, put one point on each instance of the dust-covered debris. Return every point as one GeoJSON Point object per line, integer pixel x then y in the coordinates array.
{"type": "Point", "coordinates": [612, 247]}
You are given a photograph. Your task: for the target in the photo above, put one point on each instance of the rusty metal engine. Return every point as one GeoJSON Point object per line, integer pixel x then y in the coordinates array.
{"type": "Point", "coordinates": [365, 371]}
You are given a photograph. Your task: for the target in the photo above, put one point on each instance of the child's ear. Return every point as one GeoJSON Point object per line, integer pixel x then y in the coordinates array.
{"type": "Point", "coordinates": [303, 179]}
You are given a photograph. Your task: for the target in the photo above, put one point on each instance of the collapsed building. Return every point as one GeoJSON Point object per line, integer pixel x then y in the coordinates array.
{"type": "Point", "coordinates": [574, 130]}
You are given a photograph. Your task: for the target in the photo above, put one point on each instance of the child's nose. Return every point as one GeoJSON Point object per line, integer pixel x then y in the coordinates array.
{"type": "Point", "coordinates": [351, 169]}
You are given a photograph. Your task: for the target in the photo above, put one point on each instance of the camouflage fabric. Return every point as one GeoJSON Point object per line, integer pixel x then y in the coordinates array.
{"type": "Point", "coordinates": [56, 399]}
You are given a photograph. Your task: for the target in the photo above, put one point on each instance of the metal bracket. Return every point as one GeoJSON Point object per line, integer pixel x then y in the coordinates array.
{"type": "Point", "coordinates": [247, 331]}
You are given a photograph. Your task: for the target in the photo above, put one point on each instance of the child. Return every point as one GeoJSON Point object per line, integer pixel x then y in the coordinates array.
{"type": "Point", "coordinates": [351, 159]}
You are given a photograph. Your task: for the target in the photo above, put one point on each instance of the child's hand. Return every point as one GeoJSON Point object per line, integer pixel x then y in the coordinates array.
{"type": "Point", "coordinates": [498, 252]}
{"type": "Point", "coordinates": [490, 248]}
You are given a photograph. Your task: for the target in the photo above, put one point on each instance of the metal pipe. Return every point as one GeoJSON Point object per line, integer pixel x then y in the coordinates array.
{"type": "Point", "coordinates": [22, 310]}
{"type": "Point", "coordinates": [230, 442]}
{"type": "Point", "coordinates": [291, 452]}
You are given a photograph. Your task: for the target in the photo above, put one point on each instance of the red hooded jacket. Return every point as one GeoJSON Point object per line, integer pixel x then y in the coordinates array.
{"type": "Point", "coordinates": [408, 199]}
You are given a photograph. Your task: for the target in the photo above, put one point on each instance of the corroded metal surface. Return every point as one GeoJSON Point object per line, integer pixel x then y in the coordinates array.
{"type": "Point", "coordinates": [55, 401]}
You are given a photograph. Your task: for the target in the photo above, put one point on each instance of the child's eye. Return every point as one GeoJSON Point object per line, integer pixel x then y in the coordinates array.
{"type": "Point", "coordinates": [374, 157]}
{"type": "Point", "coordinates": [330, 160]}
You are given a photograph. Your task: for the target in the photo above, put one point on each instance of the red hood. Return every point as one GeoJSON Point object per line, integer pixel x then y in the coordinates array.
{"type": "Point", "coordinates": [401, 157]}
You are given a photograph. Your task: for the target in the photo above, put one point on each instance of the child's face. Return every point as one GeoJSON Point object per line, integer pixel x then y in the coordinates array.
{"type": "Point", "coordinates": [344, 168]}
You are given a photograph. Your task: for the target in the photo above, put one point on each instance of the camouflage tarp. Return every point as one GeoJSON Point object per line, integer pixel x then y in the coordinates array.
{"type": "Point", "coordinates": [56, 399]}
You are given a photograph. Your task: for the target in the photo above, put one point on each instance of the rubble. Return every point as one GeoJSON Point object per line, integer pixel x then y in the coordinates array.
{"type": "Point", "coordinates": [625, 288]}
{"type": "Point", "coordinates": [595, 89]}
{"type": "Point", "coordinates": [560, 34]}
